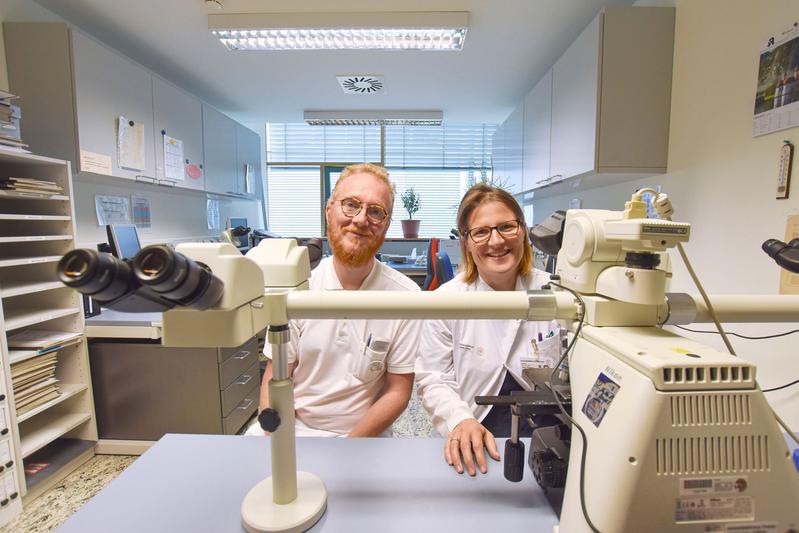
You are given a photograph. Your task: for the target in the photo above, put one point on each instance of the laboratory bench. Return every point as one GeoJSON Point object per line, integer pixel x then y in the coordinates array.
{"type": "Point", "coordinates": [198, 483]}
{"type": "Point", "coordinates": [143, 390]}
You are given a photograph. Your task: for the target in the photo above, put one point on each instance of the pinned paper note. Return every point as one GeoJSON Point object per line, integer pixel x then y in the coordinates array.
{"type": "Point", "coordinates": [94, 162]}
{"type": "Point", "coordinates": [130, 144]}
{"type": "Point", "coordinates": [112, 209]}
{"type": "Point", "coordinates": [173, 158]}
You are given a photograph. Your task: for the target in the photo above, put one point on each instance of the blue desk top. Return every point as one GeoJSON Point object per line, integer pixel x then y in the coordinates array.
{"type": "Point", "coordinates": [197, 483]}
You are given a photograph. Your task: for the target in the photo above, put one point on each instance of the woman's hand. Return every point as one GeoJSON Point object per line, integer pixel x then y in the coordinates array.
{"type": "Point", "coordinates": [466, 442]}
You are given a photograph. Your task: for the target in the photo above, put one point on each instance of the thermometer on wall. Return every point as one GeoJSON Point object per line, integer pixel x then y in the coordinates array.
{"type": "Point", "coordinates": [784, 177]}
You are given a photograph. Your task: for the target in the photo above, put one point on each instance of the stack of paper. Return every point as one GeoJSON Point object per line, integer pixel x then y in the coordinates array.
{"type": "Point", "coordinates": [43, 340]}
{"type": "Point", "coordinates": [34, 382]}
{"type": "Point", "coordinates": [30, 185]}
{"type": "Point", "coordinates": [10, 135]}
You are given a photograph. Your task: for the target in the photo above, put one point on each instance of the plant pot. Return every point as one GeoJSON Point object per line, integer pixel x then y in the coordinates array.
{"type": "Point", "coordinates": [410, 228]}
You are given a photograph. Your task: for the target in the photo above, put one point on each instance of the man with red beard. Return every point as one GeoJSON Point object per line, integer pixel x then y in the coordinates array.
{"type": "Point", "coordinates": [352, 377]}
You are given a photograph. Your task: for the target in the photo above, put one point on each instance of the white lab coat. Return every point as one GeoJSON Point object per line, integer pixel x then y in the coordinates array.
{"type": "Point", "coordinates": [461, 359]}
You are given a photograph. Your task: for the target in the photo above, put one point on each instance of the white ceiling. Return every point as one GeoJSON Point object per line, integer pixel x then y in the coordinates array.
{"type": "Point", "coordinates": [509, 45]}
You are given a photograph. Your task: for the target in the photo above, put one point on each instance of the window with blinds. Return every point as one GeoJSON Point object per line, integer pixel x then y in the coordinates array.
{"type": "Point", "coordinates": [293, 201]}
{"type": "Point", "coordinates": [438, 162]}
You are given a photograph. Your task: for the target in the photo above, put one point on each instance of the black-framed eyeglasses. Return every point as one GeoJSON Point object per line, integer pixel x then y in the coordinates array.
{"type": "Point", "coordinates": [374, 212]}
{"type": "Point", "coordinates": [506, 230]}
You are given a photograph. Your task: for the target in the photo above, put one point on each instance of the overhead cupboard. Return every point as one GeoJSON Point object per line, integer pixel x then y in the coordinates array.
{"type": "Point", "coordinates": [108, 115]}
{"type": "Point", "coordinates": [600, 115]}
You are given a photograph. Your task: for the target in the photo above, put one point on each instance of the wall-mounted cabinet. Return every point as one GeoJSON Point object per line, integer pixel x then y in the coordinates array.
{"type": "Point", "coordinates": [219, 134]}
{"type": "Point", "coordinates": [178, 115]}
{"type": "Point", "coordinates": [600, 115]}
{"type": "Point", "coordinates": [248, 161]}
{"type": "Point", "coordinates": [73, 91]}
{"type": "Point", "coordinates": [611, 96]}
{"type": "Point", "coordinates": [513, 128]}
{"type": "Point", "coordinates": [537, 131]}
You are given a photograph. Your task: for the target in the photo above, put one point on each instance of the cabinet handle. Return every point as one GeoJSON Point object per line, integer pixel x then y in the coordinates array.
{"type": "Point", "coordinates": [244, 355]}
{"type": "Point", "coordinates": [146, 179]}
{"type": "Point", "coordinates": [249, 403]}
{"type": "Point", "coordinates": [247, 379]}
{"type": "Point", "coordinates": [556, 176]}
{"type": "Point", "coordinates": [167, 183]}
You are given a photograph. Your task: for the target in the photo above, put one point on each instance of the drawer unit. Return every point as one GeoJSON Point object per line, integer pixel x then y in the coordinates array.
{"type": "Point", "coordinates": [242, 412]}
{"type": "Point", "coordinates": [6, 456]}
{"type": "Point", "coordinates": [143, 390]}
{"type": "Point", "coordinates": [236, 391]}
{"type": "Point", "coordinates": [237, 362]}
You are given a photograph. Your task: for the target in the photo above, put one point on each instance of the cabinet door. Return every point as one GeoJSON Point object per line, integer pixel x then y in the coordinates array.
{"type": "Point", "coordinates": [248, 167]}
{"type": "Point", "coordinates": [514, 143]}
{"type": "Point", "coordinates": [537, 129]}
{"type": "Point", "coordinates": [575, 82]}
{"type": "Point", "coordinates": [178, 115]}
{"type": "Point", "coordinates": [498, 154]}
{"type": "Point", "coordinates": [219, 145]}
{"type": "Point", "coordinates": [107, 86]}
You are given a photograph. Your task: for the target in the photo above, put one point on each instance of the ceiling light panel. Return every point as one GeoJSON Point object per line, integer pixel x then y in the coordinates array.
{"type": "Point", "coordinates": [439, 31]}
{"type": "Point", "coordinates": [374, 118]}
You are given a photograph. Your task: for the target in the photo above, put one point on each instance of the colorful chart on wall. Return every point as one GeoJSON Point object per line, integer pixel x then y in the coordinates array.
{"type": "Point", "coordinates": [777, 94]}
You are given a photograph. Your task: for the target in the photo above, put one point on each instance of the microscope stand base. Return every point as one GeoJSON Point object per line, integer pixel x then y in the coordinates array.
{"type": "Point", "coordinates": [260, 514]}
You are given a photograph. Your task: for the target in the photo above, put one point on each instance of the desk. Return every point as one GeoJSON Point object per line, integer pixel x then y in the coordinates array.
{"type": "Point", "coordinates": [143, 390]}
{"type": "Point", "coordinates": [197, 483]}
{"type": "Point", "coordinates": [112, 324]}
{"type": "Point", "coordinates": [416, 273]}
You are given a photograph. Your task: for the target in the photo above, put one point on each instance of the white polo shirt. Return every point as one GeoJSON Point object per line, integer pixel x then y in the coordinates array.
{"type": "Point", "coordinates": [338, 377]}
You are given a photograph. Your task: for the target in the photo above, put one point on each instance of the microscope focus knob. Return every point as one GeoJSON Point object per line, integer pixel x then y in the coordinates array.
{"type": "Point", "coordinates": [269, 420]}
{"type": "Point", "coordinates": [549, 471]}
{"type": "Point", "coordinates": [514, 460]}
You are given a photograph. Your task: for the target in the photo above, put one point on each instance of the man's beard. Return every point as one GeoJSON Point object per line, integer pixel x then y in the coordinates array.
{"type": "Point", "coordinates": [354, 258]}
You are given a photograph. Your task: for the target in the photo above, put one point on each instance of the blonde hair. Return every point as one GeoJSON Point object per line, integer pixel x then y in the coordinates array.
{"type": "Point", "coordinates": [376, 171]}
{"type": "Point", "coordinates": [475, 197]}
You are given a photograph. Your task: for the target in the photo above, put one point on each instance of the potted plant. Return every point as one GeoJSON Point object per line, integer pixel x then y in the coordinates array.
{"type": "Point", "coordinates": [412, 203]}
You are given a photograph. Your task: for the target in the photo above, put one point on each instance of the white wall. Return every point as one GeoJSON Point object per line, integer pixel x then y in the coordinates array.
{"type": "Point", "coordinates": [720, 179]}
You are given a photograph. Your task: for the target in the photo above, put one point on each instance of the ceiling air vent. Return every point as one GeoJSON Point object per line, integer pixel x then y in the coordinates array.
{"type": "Point", "coordinates": [361, 84]}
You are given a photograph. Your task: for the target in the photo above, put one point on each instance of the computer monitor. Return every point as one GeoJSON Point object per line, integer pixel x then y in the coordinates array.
{"type": "Point", "coordinates": [234, 222]}
{"type": "Point", "coordinates": [453, 249]}
{"type": "Point", "coordinates": [123, 239]}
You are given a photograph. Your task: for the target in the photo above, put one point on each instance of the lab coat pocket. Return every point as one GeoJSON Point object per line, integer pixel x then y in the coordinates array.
{"type": "Point", "coordinates": [371, 362]}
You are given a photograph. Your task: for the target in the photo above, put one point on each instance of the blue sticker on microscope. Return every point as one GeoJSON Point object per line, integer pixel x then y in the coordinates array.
{"type": "Point", "coordinates": [598, 401]}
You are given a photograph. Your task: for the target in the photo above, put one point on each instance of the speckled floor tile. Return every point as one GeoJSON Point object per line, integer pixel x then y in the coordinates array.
{"type": "Point", "coordinates": [413, 422]}
{"type": "Point", "coordinates": [52, 508]}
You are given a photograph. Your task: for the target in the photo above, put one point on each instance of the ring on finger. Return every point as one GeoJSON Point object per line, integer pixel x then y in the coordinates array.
{"type": "Point", "coordinates": [455, 439]}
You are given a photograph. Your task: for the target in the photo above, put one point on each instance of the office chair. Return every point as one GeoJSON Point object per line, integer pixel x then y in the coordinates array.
{"type": "Point", "coordinates": [439, 267]}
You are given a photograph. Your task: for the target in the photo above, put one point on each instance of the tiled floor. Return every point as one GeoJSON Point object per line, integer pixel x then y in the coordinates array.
{"type": "Point", "coordinates": [51, 509]}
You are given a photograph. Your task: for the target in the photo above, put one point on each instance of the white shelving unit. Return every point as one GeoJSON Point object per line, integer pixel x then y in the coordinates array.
{"type": "Point", "coordinates": [35, 231]}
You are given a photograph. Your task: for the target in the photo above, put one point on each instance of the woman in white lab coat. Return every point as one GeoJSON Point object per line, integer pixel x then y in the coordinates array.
{"type": "Point", "coordinates": [461, 359]}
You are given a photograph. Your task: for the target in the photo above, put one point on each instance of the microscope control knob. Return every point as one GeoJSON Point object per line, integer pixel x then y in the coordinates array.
{"type": "Point", "coordinates": [269, 420]}
{"type": "Point", "coordinates": [549, 471]}
{"type": "Point", "coordinates": [514, 460]}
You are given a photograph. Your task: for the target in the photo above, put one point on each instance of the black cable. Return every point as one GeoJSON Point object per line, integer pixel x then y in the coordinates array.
{"type": "Point", "coordinates": [781, 386]}
{"type": "Point", "coordinates": [753, 338]}
{"type": "Point", "coordinates": [574, 423]}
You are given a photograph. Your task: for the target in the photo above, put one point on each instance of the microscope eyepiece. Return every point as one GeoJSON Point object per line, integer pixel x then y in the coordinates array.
{"type": "Point", "coordinates": [100, 275]}
{"type": "Point", "coordinates": [177, 278]}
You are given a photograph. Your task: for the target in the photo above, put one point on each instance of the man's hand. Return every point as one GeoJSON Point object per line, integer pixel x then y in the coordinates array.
{"type": "Point", "coordinates": [465, 443]}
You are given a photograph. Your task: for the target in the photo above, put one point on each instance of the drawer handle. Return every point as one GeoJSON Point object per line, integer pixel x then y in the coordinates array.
{"type": "Point", "coordinates": [246, 380]}
{"type": "Point", "coordinates": [249, 403]}
{"type": "Point", "coordinates": [244, 355]}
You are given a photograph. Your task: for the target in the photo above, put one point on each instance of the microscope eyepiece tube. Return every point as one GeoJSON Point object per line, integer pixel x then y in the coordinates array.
{"type": "Point", "coordinates": [177, 278]}
{"type": "Point", "coordinates": [96, 274]}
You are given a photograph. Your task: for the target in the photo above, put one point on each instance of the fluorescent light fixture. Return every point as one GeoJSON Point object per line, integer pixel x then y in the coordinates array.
{"type": "Point", "coordinates": [440, 30]}
{"type": "Point", "coordinates": [374, 118]}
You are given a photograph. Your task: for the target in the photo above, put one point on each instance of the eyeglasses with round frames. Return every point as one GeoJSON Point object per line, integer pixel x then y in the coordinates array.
{"type": "Point", "coordinates": [374, 212]}
{"type": "Point", "coordinates": [506, 230]}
